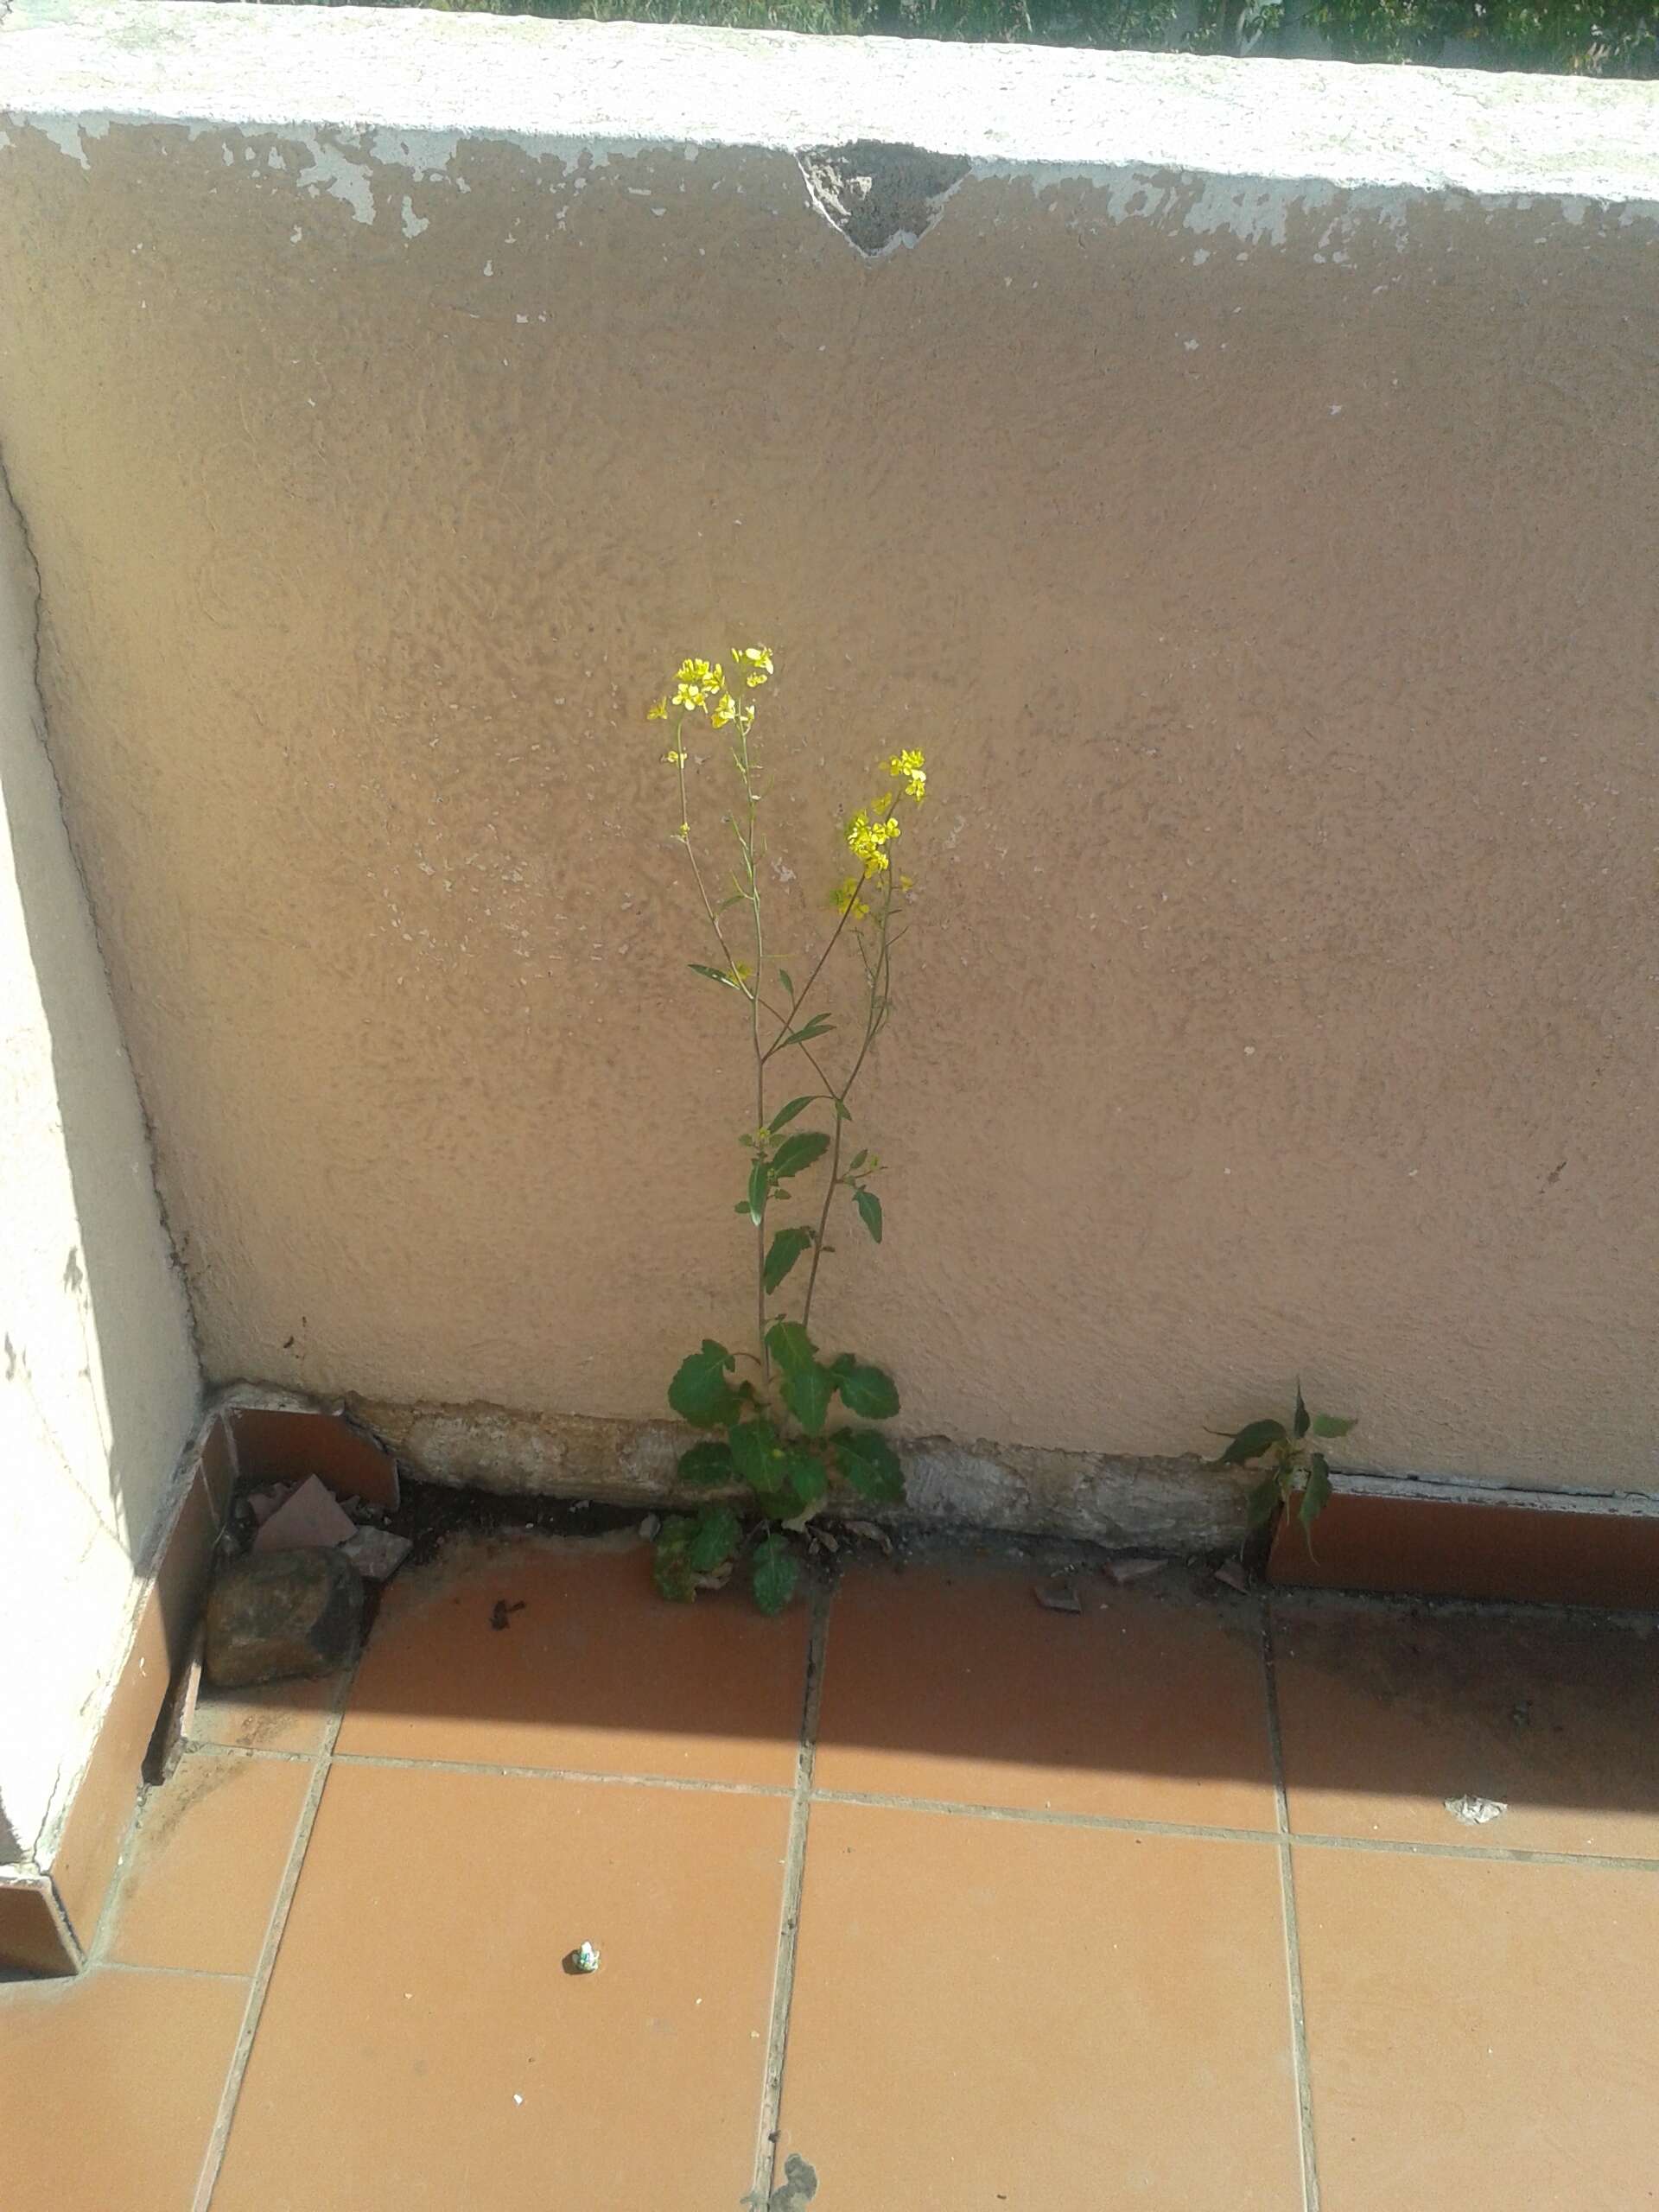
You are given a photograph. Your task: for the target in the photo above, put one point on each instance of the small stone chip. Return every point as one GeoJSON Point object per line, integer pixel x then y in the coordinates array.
{"type": "Point", "coordinates": [583, 1960]}
{"type": "Point", "coordinates": [1476, 1812]}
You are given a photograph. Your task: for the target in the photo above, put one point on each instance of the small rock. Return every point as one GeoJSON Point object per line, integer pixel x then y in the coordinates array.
{"type": "Point", "coordinates": [273, 1617]}
{"type": "Point", "coordinates": [871, 1534]}
{"type": "Point", "coordinates": [1232, 1576]}
{"type": "Point", "coordinates": [376, 1553]}
{"type": "Point", "coordinates": [1476, 1812]}
{"type": "Point", "coordinates": [1135, 1567]}
{"type": "Point", "coordinates": [583, 1960]}
{"type": "Point", "coordinates": [501, 1613]}
{"type": "Point", "coordinates": [650, 1526]}
{"type": "Point", "coordinates": [306, 1521]}
{"type": "Point", "coordinates": [1058, 1597]}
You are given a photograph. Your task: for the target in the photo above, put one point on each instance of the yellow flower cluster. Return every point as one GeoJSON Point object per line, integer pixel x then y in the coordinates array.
{"type": "Point", "coordinates": [698, 683]}
{"type": "Point", "coordinates": [869, 833]}
{"type": "Point", "coordinates": [909, 765]}
{"type": "Point", "coordinates": [847, 897]}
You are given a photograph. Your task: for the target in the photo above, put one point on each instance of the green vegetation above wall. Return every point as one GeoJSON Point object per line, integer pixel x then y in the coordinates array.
{"type": "Point", "coordinates": [1598, 38]}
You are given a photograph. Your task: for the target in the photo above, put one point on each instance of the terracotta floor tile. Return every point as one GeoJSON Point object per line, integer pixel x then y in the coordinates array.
{"type": "Point", "coordinates": [204, 1862]}
{"type": "Point", "coordinates": [959, 1685]}
{"type": "Point", "coordinates": [109, 2087]}
{"type": "Point", "coordinates": [1388, 1711]}
{"type": "Point", "coordinates": [280, 1717]}
{"type": "Point", "coordinates": [992, 2013]}
{"type": "Point", "coordinates": [420, 2045]}
{"type": "Point", "coordinates": [1481, 2034]}
{"type": "Point", "coordinates": [592, 1671]}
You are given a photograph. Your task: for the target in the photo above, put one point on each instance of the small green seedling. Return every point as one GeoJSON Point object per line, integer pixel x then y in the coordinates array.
{"type": "Point", "coordinates": [1296, 1469]}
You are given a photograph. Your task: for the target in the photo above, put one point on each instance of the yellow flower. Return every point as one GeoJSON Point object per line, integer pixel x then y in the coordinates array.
{"type": "Point", "coordinates": [658, 713]}
{"type": "Point", "coordinates": [846, 896]}
{"type": "Point", "coordinates": [909, 765]}
{"type": "Point", "coordinates": [696, 683]}
{"type": "Point", "coordinates": [868, 833]}
{"type": "Point", "coordinates": [685, 831]}
{"type": "Point", "coordinates": [673, 758]}
{"type": "Point", "coordinates": [755, 662]}
{"type": "Point", "coordinates": [725, 711]}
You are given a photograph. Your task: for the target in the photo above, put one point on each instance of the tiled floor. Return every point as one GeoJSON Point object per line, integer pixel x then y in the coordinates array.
{"type": "Point", "coordinates": [960, 1901]}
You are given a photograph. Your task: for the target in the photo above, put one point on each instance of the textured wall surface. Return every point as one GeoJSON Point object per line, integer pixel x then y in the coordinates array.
{"type": "Point", "coordinates": [1266, 565]}
{"type": "Point", "coordinates": [97, 1380]}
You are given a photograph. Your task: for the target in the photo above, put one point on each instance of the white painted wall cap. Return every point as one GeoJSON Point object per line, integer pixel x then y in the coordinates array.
{"type": "Point", "coordinates": [560, 86]}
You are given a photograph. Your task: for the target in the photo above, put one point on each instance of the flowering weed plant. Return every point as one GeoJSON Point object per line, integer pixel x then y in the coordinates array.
{"type": "Point", "coordinates": [783, 1421]}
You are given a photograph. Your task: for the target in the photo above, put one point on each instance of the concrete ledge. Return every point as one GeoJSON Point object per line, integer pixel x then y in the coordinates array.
{"type": "Point", "coordinates": [1156, 1504]}
{"type": "Point", "coordinates": [74, 67]}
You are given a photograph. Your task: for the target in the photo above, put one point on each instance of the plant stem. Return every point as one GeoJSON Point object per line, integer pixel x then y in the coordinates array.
{"type": "Point", "coordinates": [877, 976]}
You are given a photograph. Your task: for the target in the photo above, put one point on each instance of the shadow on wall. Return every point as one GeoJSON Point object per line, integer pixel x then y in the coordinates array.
{"type": "Point", "coordinates": [97, 1377]}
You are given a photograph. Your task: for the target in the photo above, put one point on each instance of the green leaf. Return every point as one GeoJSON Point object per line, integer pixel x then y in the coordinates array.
{"type": "Point", "coordinates": [1333, 1424]}
{"type": "Point", "coordinates": [713, 1538]}
{"type": "Point", "coordinates": [869, 1211]}
{"type": "Point", "coordinates": [786, 1249]}
{"type": "Point", "coordinates": [787, 1113]}
{"type": "Point", "coordinates": [856, 1162]}
{"type": "Point", "coordinates": [1251, 1442]}
{"type": "Point", "coordinates": [867, 1392]}
{"type": "Point", "coordinates": [708, 1464]}
{"type": "Point", "coordinates": [700, 1392]}
{"type": "Point", "coordinates": [798, 1152]}
{"type": "Point", "coordinates": [757, 1199]}
{"type": "Point", "coordinates": [1300, 1427]}
{"type": "Point", "coordinates": [808, 1481]}
{"type": "Point", "coordinates": [774, 1574]}
{"type": "Point", "coordinates": [869, 1463]}
{"type": "Point", "coordinates": [789, 1345]}
{"type": "Point", "coordinates": [783, 978]}
{"type": "Point", "coordinates": [807, 1393]}
{"type": "Point", "coordinates": [756, 1446]}
{"type": "Point", "coordinates": [713, 974]}
{"type": "Point", "coordinates": [1316, 1494]}
{"type": "Point", "coordinates": [806, 1033]}
{"type": "Point", "coordinates": [1263, 1502]}
{"type": "Point", "coordinates": [671, 1561]}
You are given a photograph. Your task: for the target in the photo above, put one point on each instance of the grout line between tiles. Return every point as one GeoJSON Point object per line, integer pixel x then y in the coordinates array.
{"type": "Point", "coordinates": [1293, 1933]}
{"type": "Point", "coordinates": [1041, 1817]}
{"type": "Point", "coordinates": [783, 1987]}
{"type": "Point", "coordinates": [569, 1774]}
{"type": "Point", "coordinates": [1592, 1862]}
{"type": "Point", "coordinates": [214, 2158]}
{"type": "Point", "coordinates": [1114, 1824]}
{"type": "Point", "coordinates": [181, 1974]}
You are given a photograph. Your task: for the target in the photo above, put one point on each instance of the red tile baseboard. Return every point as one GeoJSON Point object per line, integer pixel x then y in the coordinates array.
{"type": "Point", "coordinates": [1459, 1540]}
{"type": "Point", "coordinates": [50, 1910]}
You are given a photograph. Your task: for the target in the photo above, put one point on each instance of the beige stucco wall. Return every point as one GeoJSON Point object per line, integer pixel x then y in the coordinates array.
{"type": "Point", "coordinates": [1267, 566]}
{"type": "Point", "coordinates": [97, 1380]}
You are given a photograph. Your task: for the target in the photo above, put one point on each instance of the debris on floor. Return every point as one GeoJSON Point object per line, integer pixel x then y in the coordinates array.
{"type": "Point", "coordinates": [1058, 1597]}
{"type": "Point", "coordinates": [376, 1553]}
{"type": "Point", "coordinates": [277, 1615]}
{"type": "Point", "coordinates": [1232, 1576]}
{"type": "Point", "coordinates": [793, 2194]}
{"type": "Point", "coordinates": [501, 1613]}
{"type": "Point", "coordinates": [309, 1519]}
{"type": "Point", "coordinates": [1476, 1812]}
{"type": "Point", "coordinates": [583, 1960]}
{"type": "Point", "coordinates": [1135, 1567]}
